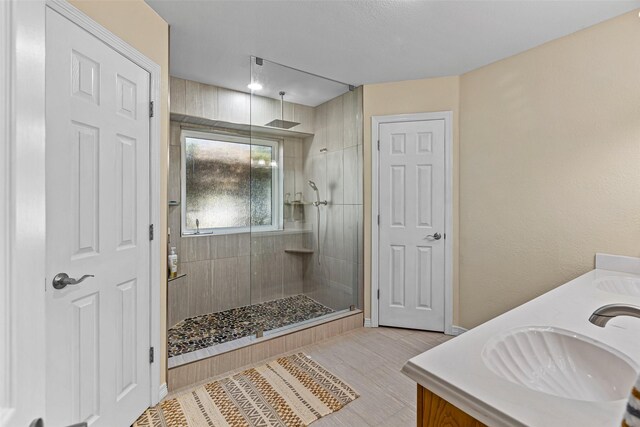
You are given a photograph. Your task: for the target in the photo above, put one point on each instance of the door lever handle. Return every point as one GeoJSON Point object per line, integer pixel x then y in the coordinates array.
{"type": "Point", "coordinates": [435, 236]}
{"type": "Point", "coordinates": [61, 280]}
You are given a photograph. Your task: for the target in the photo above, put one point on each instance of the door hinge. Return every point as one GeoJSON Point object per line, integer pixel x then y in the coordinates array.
{"type": "Point", "coordinates": [150, 108]}
{"type": "Point", "coordinates": [378, 293]}
{"type": "Point", "coordinates": [151, 232]}
{"type": "Point", "coordinates": [378, 145]}
{"type": "Point", "coordinates": [151, 354]}
{"type": "Point", "coordinates": [378, 219]}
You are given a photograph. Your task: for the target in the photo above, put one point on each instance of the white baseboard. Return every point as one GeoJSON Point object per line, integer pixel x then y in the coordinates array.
{"type": "Point", "coordinates": [458, 330]}
{"type": "Point", "coordinates": [162, 393]}
{"type": "Point", "coordinates": [367, 323]}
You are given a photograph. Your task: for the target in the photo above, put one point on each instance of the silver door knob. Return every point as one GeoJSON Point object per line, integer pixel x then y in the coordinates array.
{"type": "Point", "coordinates": [61, 280]}
{"type": "Point", "coordinates": [435, 236]}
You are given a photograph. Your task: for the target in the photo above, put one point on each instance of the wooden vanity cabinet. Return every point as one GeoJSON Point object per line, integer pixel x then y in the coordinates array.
{"type": "Point", "coordinates": [434, 411]}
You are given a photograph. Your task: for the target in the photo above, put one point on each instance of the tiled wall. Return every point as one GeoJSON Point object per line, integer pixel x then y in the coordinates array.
{"type": "Point", "coordinates": [220, 269]}
{"type": "Point", "coordinates": [229, 271]}
{"type": "Point", "coordinates": [216, 103]}
{"type": "Point", "coordinates": [337, 281]}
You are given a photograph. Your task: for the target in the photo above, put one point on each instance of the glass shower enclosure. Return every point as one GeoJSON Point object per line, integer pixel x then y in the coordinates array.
{"type": "Point", "coordinates": [265, 208]}
{"type": "Point", "coordinates": [306, 196]}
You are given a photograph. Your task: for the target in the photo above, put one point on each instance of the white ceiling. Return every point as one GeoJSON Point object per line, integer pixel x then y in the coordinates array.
{"type": "Point", "coordinates": [363, 41]}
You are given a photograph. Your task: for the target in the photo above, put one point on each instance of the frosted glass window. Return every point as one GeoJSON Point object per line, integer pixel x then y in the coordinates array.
{"type": "Point", "coordinates": [262, 177]}
{"type": "Point", "coordinates": [230, 184]}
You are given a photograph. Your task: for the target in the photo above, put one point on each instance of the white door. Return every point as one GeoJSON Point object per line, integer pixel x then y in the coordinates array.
{"type": "Point", "coordinates": [97, 191]}
{"type": "Point", "coordinates": [412, 224]}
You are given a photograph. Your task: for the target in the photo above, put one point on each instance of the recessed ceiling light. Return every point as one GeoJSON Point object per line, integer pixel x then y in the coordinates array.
{"type": "Point", "coordinates": [254, 86]}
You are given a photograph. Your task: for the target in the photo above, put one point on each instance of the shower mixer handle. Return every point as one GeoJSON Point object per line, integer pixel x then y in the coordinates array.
{"type": "Point", "coordinates": [318, 203]}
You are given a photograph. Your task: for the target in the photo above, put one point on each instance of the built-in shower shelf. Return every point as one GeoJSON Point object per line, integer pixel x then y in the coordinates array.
{"type": "Point", "coordinates": [179, 276]}
{"type": "Point", "coordinates": [300, 251]}
{"type": "Point", "coordinates": [297, 203]}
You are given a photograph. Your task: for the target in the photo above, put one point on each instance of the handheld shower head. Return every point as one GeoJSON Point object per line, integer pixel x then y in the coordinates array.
{"type": "Point", "coordinates": [314, 187]}
{"type": "Point", "coordinates": [317, 204]}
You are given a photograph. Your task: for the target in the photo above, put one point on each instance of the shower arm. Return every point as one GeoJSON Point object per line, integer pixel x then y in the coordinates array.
{"type": "Point", "coordinates": [281, 105]}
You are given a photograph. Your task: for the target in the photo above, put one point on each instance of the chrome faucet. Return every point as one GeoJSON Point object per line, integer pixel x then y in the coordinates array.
{"type": "Point", "coordinates": [601, 316]}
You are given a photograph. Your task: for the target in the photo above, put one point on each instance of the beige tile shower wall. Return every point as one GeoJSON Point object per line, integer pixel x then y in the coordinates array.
{"type": "Point", "coordinates": [219, 272]}
{"type": "Point", "coordinates": [229, 271]}
{"type": "Point", "coordinates": [224, 272]}
{"type": "Point", "coordinates": [217, 103]}
{"type": "Point", "coordinates": [549, 166]}
{"type": "Point", "coordinates": [337, 281]}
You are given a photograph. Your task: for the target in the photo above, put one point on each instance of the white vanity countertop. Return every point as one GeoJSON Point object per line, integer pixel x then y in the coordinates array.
{"type": "Point", "coordinates": [456, 371]}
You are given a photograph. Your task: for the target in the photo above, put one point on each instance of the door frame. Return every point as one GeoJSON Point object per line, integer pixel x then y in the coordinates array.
{"type": "Point", "coordinates": [376, 121]}
{"type": "Point", "coordinates": [23, 197]}
{"type": "Point", "coordinates": [22, 217]}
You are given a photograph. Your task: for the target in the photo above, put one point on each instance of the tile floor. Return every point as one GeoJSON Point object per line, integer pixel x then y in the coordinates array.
{"type": "Point", "coordinates": [370, 359]}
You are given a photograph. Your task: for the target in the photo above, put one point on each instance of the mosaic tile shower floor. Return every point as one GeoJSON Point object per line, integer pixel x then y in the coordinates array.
{"type": "Point", "coordinates": [207, 330]}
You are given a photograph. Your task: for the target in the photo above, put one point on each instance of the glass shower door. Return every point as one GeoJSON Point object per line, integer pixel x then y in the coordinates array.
{"type": "Point", "coordinates": [305, 256]}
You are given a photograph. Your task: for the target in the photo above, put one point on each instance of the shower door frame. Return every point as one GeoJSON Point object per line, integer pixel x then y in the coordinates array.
{"type": "Point", "coordinates": [376, 121]}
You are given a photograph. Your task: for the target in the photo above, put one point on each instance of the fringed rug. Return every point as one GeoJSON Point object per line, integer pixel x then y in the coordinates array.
{"type": "Point", "coordinates": [289, 391]}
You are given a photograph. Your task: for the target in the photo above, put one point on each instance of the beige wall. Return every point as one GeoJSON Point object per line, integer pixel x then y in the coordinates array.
{"type": "Point", "coordinates": [414, 96]}
{"type": "Point", "coordinates": [549, 166]}
{"type": "Point", "coordinates": [137, 24]}
{"type": "Point", "coordinates": [548, 161]}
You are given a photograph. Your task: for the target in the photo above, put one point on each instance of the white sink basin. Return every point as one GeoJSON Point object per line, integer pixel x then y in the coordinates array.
{"type": "Point", "coordinates": [560, 363]}
{"type": "Point", "coordinates": [621, 285]}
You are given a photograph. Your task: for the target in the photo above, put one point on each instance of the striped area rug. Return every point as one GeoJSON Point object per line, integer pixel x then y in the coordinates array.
{"type": "Point", "coordinates": [290, 391]}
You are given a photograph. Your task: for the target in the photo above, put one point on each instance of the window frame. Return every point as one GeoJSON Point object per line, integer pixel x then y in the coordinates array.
{"type": "Point", "coordinates": [277, 182]}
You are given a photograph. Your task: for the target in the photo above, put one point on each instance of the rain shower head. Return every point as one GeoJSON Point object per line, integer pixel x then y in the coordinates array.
{"type": "Point", "coordinates": [281, 122]}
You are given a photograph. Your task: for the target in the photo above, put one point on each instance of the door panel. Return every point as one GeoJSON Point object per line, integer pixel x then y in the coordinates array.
{"type": "Point", "coordinates": [97, 170]}
{"type": "Point", "coordinates": [424, 260]}
{"type": "Point", "coordinates": [412, 208]}
{"type": "Point", "coordinates": [397, 275]}
{"type": "Point", "coordinates": [85, 374]}
{"type": "Point", "coordinates": [127, 354]}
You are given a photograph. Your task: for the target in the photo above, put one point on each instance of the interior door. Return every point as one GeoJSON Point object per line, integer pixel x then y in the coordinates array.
{"type": "Point", "coordinates": [97, 192]}
{"type": "Point", "coordinates": [412, 224]}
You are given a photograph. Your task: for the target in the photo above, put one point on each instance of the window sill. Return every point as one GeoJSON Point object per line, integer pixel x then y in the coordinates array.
{"type": "Point", "coordinates": [281, 232]}
{"type": "Point", "coordinates": [254, 233]}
